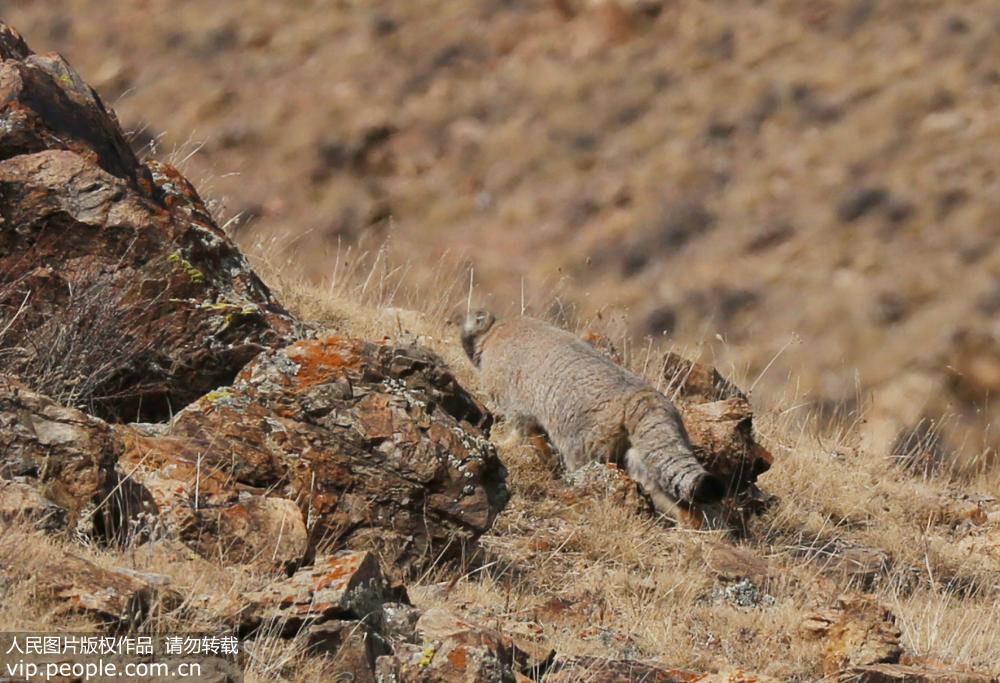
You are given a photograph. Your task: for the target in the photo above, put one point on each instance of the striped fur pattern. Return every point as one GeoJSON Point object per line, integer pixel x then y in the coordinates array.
{"type": "Point", "coordinates": [591, 408]}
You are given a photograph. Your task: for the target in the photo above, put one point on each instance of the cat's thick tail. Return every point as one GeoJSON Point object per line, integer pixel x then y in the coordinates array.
{"type": "Point", "coordinates": [660, 457]}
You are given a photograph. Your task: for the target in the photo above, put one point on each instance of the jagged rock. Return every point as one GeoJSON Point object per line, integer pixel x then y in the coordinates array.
{"type": "Point", "coordinates": [606, 480]}
{"type": "Point", "coordinates": [68, 457]}
{"type": "Point", "coordinates": [378, 445]}
{"type": "Point", "coordinates": [347, 585]}
{"type": "Point", "coordinates": [21, 501]}
{"type": "Point", "coordinates": [453, 650]}
{"type": "Point", "coordinates": [118, 291]}
{"type": "Point", "coordinates": [117, 597]}
{"type": "Point", "coordinates": [182, 495]}
{"type": "Point", "coordinates": [46, 105]}
{"type": "Point", "coordinates": [898, 673]}
{"type": "Point", "coordinates": [134, 301]}
{"type": "Point", "coordinates": [857, 632]}
{"type": "Point", "coordinates": [399, 621]}
{"type": "Point", "coordinates": [352, 646]}
{"type": "Point", "coordinates": [722, 435]}
{"type": "Point", "coordinates": [599, 670]}
{"type": "Point", "coordinates": [719, 421]}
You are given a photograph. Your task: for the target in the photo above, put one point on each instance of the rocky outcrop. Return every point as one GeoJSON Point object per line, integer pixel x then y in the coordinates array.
{"type": "Point", "coordinates": [120, 294]}
{"type": "Point", "coordinates": [121, 291]}
{"type": "Point", "coordinates": [327, 444]}
{"type": "Point", "coordinates": [55, 460]}
{"type": "Point", "coordinates": [345, 585]}
{"type": "Point", "coordinates": [377, 445]}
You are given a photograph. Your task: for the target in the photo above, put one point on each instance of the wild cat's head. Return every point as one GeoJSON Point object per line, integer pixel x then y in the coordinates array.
{"type": "Point", "coordinates": [477, 324]}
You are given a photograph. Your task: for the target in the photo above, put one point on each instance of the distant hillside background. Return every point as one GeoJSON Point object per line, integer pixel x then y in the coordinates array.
{"type": "Point", "coordinates": [808, 191]}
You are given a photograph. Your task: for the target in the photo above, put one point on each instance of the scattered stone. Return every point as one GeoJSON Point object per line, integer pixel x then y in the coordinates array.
{"type": "Point", "coordinates": [898, 673]}
{"type": "Point", "coordinates": [399, 621]}
{"type": "Point", "coordinates": [453, 649]}
{"type": "Point", "coordinates": [347, 585]}
{"type": "Point", "coordinates": [856, 632]}
{"type": "Point", "coordinates": [605, 480]}
{"type": "Point", "coordinates": [119, 598]}
{"type": "Point", "coordinates": [744, 593]}
{"type": "Point", "coordinates": [599, 670]}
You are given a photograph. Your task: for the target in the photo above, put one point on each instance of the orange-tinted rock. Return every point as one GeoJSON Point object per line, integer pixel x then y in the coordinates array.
{"type": "Point", "coordinates": [346, 585]}
{"type": "Point", "coordinates": [119, 597]}
{"type": "Point", "coordinates": [378, 445]}
{"type": "Point", "coordinates": [185, 497]}
{"type": "Point", "coordinates": [856, 632]}
{"type": "Point", "coordinates": [600, 670]}
{"type": "Point", "coordinates": [139, 303]}
{"type": "Point", "coordinates": [719, 422]}
{"type": "Point", "coordinates": [453, 650]}
{"type": "Point", "coordinates": [352, 647]}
